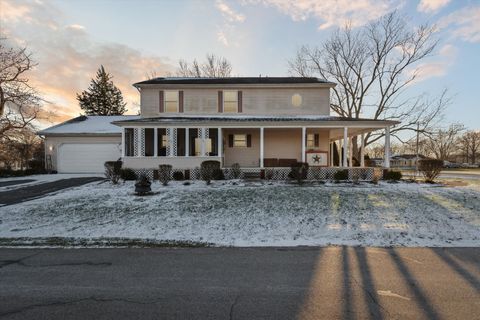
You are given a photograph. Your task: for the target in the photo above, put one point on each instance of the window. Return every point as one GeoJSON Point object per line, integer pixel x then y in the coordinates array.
{"type": "Point", "coordinates": [165, 141]}
{"type": "Point", "coordinates": [129, 142]}
{"type": "Point", "coordinates": [230, 101]}
{"type": "Point", "coordinates": [313, 140]}
{"type": "Point", "coordinates": [171, 101]}
{"type": "Point", "coordinates": [162, 142]}
{"type": "Point", "coordinates": [296, 100]}
{"type": "Point", "coordinates": [239, 140]}
{"type": "Point", "coordinates": [149, 142]}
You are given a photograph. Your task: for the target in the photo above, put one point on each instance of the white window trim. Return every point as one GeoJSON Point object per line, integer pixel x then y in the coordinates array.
{"type": "Point", "coordinates": [165, 101]}
{"type": "Point", "coordinates": [223, 97]}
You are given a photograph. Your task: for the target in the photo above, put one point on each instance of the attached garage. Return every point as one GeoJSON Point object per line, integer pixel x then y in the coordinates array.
{"type": "Point", "coordinates": [86, 157]}
{"type": "Point", "coordinates": [83, 144]}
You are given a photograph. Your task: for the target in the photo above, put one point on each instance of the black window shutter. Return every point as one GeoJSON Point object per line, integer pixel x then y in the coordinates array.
{"type": "Point", "coordinates": [230, 140]}
{"type": "Point", "coordinates": [317, 140]}
{"type": "Point", "coordinates": [249, 140]}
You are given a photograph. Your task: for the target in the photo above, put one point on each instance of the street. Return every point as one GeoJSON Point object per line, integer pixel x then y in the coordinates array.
{"type": "Point", "coordinates": [240, 283]}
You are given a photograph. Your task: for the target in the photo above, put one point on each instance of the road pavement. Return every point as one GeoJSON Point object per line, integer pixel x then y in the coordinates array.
{"type": "Point", "coordinates": [240, 283]}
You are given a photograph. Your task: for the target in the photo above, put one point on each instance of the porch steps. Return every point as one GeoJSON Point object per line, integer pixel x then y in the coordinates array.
{"type": "Point", "coordinates": [249, 176]}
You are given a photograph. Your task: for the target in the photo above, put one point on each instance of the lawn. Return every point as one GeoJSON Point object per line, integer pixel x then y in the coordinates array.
{"type": "Point", "coordinates": [257, 214]}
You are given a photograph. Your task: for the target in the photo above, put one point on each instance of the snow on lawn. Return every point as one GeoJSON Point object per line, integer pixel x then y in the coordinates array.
{"type": "Point", "coordinates": [261, 214]}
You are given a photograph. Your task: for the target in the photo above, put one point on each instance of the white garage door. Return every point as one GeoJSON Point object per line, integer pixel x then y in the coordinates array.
{"type": "Point", "coordinates": [86, 157]}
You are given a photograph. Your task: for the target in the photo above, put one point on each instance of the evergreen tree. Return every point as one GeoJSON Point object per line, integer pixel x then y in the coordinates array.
{"type": "Point", "coordinates": [102, 98]}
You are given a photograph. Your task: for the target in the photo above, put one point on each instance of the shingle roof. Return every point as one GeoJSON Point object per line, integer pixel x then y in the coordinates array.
{"type": "Point", "coordinates": [234, 80]}
{"type": "Point", "coordinates": [98, 125]}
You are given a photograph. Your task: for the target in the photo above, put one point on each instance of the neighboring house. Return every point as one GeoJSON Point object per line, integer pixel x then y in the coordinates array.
{"type": "Point", "coordinates": [405, 160]}
{"type": "Point", "coordinates": [256, 122]}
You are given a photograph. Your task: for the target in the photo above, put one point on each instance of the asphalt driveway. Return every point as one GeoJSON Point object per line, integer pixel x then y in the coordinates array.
{"type": "Point", "coordinates": [240, 283]}
{"type": "Point", "coordinates": [40, 190]}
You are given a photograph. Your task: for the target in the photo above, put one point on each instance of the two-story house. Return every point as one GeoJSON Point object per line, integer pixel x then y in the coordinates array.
{"type": "Point", "coordinates": [257, 122]}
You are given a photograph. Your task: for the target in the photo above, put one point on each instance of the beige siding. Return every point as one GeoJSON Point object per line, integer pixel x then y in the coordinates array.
{"type": "Point", "coordinates": [283, 143]}
{"type": "Point", "coordinates": [149, 102]}
{"type": "Point", "coordinates": [256, 101]}
{"type": "Point", "coordinates": [53, 143]}
{"type": "Point", "coordinates": [246, 157]}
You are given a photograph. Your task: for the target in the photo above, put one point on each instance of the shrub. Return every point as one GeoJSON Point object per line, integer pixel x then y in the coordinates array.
{"type": "Point", "coordinates": [298, 172]}
{"type": "Point", "coordinates": [178, 176]}
{"type": "Point", "coordinates": [207, 170]}
{"type": "Point", "coordinates": [142, 186]}
{"type": "Point", "coordinates": [392, 175]}
{"type": "Point", "coordinates": [430, 168]}
{"type": "Point", "coordinates": [36, 165]}
{"type": "Point", "coordinates": [269, 173]}
{"type": "Point", "coordinates": [127, 174]}
{"type": "Point", "coordinates": [236, 171]}
{"type": "Point", "coordinates": [341, 175]}
{"type": "Point", "coordinates": [164, 173]}
{"type": "Point", "coordinates": [218, 174]}
{"type": "Point", "coordinates": [112, 171]}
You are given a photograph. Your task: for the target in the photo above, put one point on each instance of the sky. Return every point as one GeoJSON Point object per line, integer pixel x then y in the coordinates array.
{"type": "Point", "coordinates": [70, 39]}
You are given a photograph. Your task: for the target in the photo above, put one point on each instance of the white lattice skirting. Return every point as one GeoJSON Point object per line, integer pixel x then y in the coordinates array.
{"type": "Point", "coordinates": [314, 174]}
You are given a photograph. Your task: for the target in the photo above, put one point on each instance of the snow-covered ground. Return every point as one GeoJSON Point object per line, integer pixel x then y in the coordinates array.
{"type": "Point", "coordinates": [42, 178]}
{"type": "Point", "coordinates": [257, 214]}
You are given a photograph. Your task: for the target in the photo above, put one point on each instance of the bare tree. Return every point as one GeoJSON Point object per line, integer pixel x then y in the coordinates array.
{"type": "Point", "coordinates": [470, 145]}
{"type": "Point", "coordinates": [373, 67]}
{"type": "Point", "coordinates": [213, 67]}
{"type": "Point", "coordinates": [443, 142]}
{"type": "Point", "coordinates": [19, 102]}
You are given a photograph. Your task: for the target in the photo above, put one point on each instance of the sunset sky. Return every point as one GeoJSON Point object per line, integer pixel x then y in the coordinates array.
{"type": "Point", "coordinates": [70, 39]}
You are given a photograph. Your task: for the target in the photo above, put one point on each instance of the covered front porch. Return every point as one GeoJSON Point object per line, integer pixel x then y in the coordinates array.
{"type": "Point", "coordinates": [250, 147]}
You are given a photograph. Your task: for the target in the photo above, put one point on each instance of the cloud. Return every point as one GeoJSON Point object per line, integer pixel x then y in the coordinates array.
{"type": "Point", "coordinates": [76, 27]}
{"type": "Point", "coordinates": [332, 13]}
{"type": "Point", "coordinates": [222, 38]}
{"type": "Point", "coordinates": [431, 6]}
{"type": "Point", "coordinates": [464, 23]}
{"type": "Point", "coordinates": [228, 30]}
{"type": "Point", "coordinates": [437, 67]}
{"type": "Point", "coordinates": [228, 12]}
{"type": "Point", "coordinates": [68, 58]}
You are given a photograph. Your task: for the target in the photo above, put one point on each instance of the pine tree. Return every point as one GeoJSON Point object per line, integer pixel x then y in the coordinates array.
{"type": "Point", "coordinates": [102, 98]}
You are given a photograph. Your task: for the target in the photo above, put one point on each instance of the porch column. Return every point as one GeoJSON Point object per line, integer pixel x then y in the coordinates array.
{"type": "Point", "coordinates": [339, 149]}
{"type": "Point", "coordinates": [362, 151]}
{"type": "Point", "coordinates": [345, 146]}
{"type": "Point", "coordinates": [387, 147]}
{"type": "Point", "coordinates": [123, 143]}
{"type": "Point", "coordinates": [350, 151]}
{"type": "Point", "coordinates": [139, 141]}
{"type": "Point", "coordinates": [187, 141]}
{"type": "Point", "coordinates": [304, 133]}
{"type": "Point", "coordinates": [171, 141]}
{"type": "Point", "coordinates": [220, 143]}
{"type": "Point", "coordinates": [261, 147]}
{"type": "Point", "coordinates": [331, 154]}
{"type": "Point", "coordinates": [155, 142]}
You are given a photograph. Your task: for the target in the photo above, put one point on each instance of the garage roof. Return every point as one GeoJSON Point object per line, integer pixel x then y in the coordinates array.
{"type": "Point", "coordinates": [88, 125]}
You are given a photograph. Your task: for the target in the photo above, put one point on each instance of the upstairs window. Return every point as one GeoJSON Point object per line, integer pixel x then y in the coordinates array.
{"type": "Point", "coordinates": [171, 101]}
{"type": "Point", "coordinates": [230, 101]}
